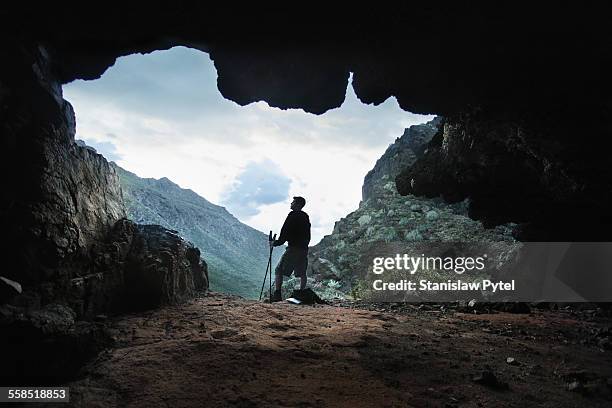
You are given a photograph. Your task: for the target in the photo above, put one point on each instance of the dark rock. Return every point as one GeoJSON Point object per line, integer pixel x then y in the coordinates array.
{"type": "Point", "coordinates": [512, 307]}
{"type": "Point", "coordinates": [161, 268]}
{"type": "Point", "coordinates": [512, 361]}
{"type": "Point", "coordinates": [307, 296]}
{"type": "Point", "coordinates": [45, 346]}
{"type": "Point", "coordinates": [575, 386]}
{"type": "Point", "coordinates": [496, 161]}
{"type": "Point", "coordinates": [604, 343]}
{"type": "Point", "coordinates": [8, 289]}
{"type": "Point", "coordinates": [489, 379]}
{"type": "Point", "coordinates": [139, 267]}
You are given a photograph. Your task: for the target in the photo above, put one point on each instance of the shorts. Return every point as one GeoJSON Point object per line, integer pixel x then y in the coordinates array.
{"type": "Point", "coordinates": [293, 260]}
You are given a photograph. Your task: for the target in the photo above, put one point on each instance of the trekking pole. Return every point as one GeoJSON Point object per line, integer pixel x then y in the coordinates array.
{"type": "Point", "coordinates": [270, 263]}
{"type": "Point", "coordinates": [269, 266]}
{"type": "Point", "coordinates": [264, 281]}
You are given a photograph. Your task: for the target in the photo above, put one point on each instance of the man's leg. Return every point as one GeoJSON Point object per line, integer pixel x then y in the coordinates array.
{"type": "Point", "coordinates": [301, 267]}
{"type": "Point", "coordinates": [278, 284]}
{"type": "Point", "coordinates": [278, 277]}
{"type": "Point", "coordinates": [279, 280]}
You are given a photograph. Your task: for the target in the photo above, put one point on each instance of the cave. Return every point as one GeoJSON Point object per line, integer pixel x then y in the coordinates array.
{"type": "Point", "coordinates": [524, 93]}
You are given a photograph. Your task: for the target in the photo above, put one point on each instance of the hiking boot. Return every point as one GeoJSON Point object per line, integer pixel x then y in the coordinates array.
{"type": "Point", "coordinates": [276, 296]}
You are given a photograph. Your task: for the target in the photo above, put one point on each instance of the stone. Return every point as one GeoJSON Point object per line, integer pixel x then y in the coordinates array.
{"type": "Point", "coordinates": [390, 186]}
{"type": "Point", "coordinates": [9, 288]}
{"type": "Point", "coordinates": [414, 235]}
{"type": "Point", "coordinates": [489, 379]}
{"type": "Point", "coordinates": [512, 361]}
{"type": "Point", "coordinates": [364, 219]}
{"type": "Point", "coordinates": [575, 386]}
{"type": "Point", "coordinates": [604, 343]}
{"type": "Point", "coordinates": [307, 297]}
{"type": "Point", "coordinates": [431, 215]}
{"type": "Point", "coordinates": [515, 307]}
{"type": "Point", "coordinates": [161, 268]}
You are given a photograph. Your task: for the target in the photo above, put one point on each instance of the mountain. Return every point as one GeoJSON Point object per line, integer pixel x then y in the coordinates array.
{"type": "Point", "coordinates": [399, 155]}
{"type": "Point", "coordinates": [236, 254]}
{"type": "Point", "coordinates": [386, 220]}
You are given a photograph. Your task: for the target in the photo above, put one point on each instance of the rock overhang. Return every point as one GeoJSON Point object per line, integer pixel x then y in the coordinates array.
{"type": "Point", "coordinates": [433, 58]}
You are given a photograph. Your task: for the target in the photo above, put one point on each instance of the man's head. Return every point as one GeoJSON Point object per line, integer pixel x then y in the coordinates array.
{"type": "Point", "coordinates": [298, 203]}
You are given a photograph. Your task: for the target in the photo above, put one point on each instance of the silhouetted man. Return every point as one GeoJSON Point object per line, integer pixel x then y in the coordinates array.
{"type": "Point", "coordinates": [296, 232]}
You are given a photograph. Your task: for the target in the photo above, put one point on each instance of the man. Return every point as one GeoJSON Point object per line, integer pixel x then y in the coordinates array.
{"type": "Point", "coordinates": [295, 231]}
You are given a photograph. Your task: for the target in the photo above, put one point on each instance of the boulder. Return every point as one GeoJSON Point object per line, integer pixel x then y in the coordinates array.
{"type": "Point", "coordinates": [161, 268]}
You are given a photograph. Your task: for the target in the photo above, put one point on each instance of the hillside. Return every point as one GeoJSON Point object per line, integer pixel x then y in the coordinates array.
{"type": "Point", "coordinates": [236, 254]}
{"type": "Point", "coordinates": [389, 222]}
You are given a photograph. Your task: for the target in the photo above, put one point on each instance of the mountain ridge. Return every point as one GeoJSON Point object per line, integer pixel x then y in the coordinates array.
{"type": "Point", "coordinates": [236, 253]}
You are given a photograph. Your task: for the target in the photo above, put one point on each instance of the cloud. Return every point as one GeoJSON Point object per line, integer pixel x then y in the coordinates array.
{"type": "Point", "coordinates": [260, 183]}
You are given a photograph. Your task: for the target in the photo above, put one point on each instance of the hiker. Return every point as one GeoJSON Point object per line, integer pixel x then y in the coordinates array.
{"type": "Point", "coordinates": [296, 232]}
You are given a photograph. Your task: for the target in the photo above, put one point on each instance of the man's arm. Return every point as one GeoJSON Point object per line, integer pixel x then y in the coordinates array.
{"type": "Point", "coordinates": [285, 231]}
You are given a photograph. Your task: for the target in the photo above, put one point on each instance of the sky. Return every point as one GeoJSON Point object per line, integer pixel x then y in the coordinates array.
{"type": "Point", "coordinates": [161, 115]}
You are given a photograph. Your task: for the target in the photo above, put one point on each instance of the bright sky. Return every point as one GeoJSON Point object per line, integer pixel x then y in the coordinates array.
{"type": "Point", "coordinates": [161, 115]}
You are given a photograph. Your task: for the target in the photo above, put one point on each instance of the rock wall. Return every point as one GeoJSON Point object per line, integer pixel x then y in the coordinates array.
{"type": "Point", "coordinates": [68, 255]}
{"type": "Point", "coordinates": [523, 170]}
{"type": "Point", "coordinates": [59, 199]}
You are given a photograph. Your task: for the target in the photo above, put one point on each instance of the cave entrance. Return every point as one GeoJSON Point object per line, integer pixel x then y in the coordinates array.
{"type": "Point", "coordinates": [161, 119]}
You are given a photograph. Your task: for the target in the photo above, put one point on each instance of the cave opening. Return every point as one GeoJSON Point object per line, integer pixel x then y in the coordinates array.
{"type": "Point", "coordinates": [161, 120]}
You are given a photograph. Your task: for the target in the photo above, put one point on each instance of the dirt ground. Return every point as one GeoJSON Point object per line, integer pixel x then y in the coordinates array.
{"type": "Point", "coordinates": [221, 350]}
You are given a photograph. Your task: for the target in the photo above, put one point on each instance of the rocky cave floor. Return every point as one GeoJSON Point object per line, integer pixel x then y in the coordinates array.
{"type": "Point", "coordinates": [220, 350]}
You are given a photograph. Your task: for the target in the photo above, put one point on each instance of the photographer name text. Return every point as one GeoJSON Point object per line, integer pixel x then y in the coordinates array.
{"type": "Point", "coordinates": [450, 285]}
